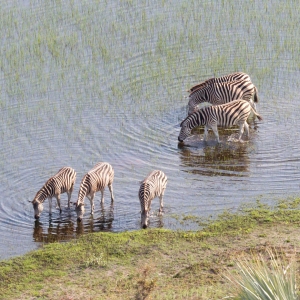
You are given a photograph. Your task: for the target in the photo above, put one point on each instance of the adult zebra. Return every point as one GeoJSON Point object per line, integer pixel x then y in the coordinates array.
{"type": "Point", "coordinates": [233, 113]}
{"type": "Point", "coordinates": [152, 186]}
{"type": "Point", "coordinates": [237, 76]}
{"type": "Point", "coordinates": [63, 181]}
{"type": "Point", "coordinates": [220, 93]}
{"type": "Point", "coordinates": [100, 176]}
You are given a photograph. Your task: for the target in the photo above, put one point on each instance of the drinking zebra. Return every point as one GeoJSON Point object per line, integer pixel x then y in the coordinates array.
{"type": "Point", "coordinates": [220, 93]}
{"type": "Point", "coordinates": [152, 186]}
{"type": "Point", "coordinates": [237, 76]}
{"type": "Point", "coordinates": [100, 176]}
{"type": "Point", "coordinates": [62, 182]}
{"type": "Point", "coordinates": [233, 113]}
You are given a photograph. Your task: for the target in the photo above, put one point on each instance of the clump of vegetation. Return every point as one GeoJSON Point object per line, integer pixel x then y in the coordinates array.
{"type": "Point", "coordinates": [270, 278]}
{"type": "Point", "coordinates": [95, 261]}
{"type": "Point", "coordinates": [145, 283]}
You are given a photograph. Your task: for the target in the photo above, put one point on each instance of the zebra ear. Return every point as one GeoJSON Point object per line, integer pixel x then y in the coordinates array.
{"type": "Point", "coordinates": [30, 201]}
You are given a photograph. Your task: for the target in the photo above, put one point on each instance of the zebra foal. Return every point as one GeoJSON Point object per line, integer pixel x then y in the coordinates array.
{"type": "Point", "coordinates": [224, 92]}
{"type": "Point", "coordinates": [152, 186]}
{"type": "Point", "coordinates": [226, 115]}
{"type": "Point", "coordinates": [100, 176]}
{"type": "Point", "coordinates": [236, 76]}
{"type": "Point", "coordinates": [62, 182]}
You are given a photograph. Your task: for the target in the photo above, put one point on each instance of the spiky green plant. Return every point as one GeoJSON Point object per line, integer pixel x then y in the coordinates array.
{"type": "Point", "coordinates": [260, 280]}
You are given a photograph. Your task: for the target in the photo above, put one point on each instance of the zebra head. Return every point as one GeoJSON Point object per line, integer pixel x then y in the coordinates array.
{"type": "Point", "coordinates": [79, 208]}
{"type": "Point", "coordinates": [38, 208]}
{"type": "Point", "coordinates": [144, 194]}
{"type": "Point", "coordinates": [185, 130]}
{"type": "Point", "coordinates": [145, 218]}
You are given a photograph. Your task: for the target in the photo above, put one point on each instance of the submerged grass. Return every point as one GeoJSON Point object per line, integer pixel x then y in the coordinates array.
{"type": "Point", "coordinates": [162, 263]}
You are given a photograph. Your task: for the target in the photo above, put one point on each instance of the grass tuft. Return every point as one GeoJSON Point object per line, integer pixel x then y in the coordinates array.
{"type": "Point", "coordinates": [270, 278]}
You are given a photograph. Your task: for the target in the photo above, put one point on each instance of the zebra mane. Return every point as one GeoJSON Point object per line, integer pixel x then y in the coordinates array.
{"type": "Point", "coordinates": [201, 85]}
{"type": "Point", "coordinates": [184, 120]}
{"type": "Point", "coordinates": [41, 195]}
{"type": "Point", "coordinates": [199, 112]}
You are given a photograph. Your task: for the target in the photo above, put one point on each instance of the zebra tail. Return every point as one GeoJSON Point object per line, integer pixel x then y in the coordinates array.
{"type": "Point", "coordinates": [252, 105]}
{"type": "Point", "coordinates": [255, 98]}
{"type": "Point", "coordinates": [259, 117]}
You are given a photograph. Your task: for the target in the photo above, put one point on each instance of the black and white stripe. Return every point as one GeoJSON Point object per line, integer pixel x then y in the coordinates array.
{"type": "Point", "coordinates": [152, 186]}
{"type": "Point", "coordinates": [225, 115]}
{"type": "Point", "coordinates": [220, 93]}
{"type": "Point", "coordinates": [237, 76]}
{"type": "Point", "coordinates": [62, 182]}
{"type": "Point", "coordinates": [100, 176]}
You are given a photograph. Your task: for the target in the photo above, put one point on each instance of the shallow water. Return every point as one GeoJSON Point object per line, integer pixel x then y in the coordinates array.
{"type": "Point", "coordinates": [106, 82]}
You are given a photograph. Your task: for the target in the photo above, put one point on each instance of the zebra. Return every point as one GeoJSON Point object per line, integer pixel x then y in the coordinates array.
{"type": "Point", "coordinates": [237, 76]}
{"type": "Point", "coordinates": [100, 176]}
{"type": "Point", "coordinates": [63, 181]}
{"type": "Point", "coordinates": [220, 93]}
{"type": "Point", "coordinates": [152, 186]}
{"type": "Point", "coordinates": [233, 113]}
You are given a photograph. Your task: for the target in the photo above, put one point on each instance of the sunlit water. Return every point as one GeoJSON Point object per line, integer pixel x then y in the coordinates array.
{"type": "Point", "coordinates": [124, 106]}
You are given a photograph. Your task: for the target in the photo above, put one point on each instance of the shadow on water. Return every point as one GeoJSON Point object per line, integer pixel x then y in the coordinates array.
{"type": "Point", "coordinates": [66, 228]}
{"type": "Point", "coordinates": [211, 159]}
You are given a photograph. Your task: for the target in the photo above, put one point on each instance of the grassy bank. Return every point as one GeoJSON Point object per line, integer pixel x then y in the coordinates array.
{"type": "Point", "coordinates": [155, 263]}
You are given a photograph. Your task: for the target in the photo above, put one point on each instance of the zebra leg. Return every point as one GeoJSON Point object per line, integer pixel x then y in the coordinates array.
{"type": "Point", "coordinates": [102, 196]}
{"type": "Point", "coordinates": [58, 202]}
{"type": "Point", "coordinates": [50, 205]}
{"type": "Point", "coordinates": [149, 206]}
{"type": "Point", "coordinates": [215, 130]}
{"type": "Point", "coordinates": [161, 202]}
{"type": "Point", "coordinates": [70, 194]}
{"type": "Point", "coordinates": [205, 132]}
{"type": "Point", "coordinates": [111, 192]}
{"type": "Point", "coordinates": [246, 127]}
{"type": "Point", "coordinates": [91, 198]}
{"type": "Point", "coordinates": [241, 130]}
{"type": "Point", "coordinates": [69, 198]}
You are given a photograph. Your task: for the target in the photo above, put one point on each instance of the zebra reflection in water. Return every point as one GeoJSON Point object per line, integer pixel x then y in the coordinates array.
{"type": "Point", "coordinates": [65, 228]}
{"type": "Point", "coordinates": [222, 159]}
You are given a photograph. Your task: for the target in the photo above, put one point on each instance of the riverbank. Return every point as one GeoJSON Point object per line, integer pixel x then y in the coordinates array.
{"type": "Point", "coordinates": [153, 263]}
